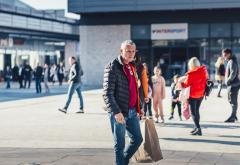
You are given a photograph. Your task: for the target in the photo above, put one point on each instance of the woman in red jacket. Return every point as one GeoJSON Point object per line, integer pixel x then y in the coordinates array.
{"type": "Point", "coordinates": [196, 78]}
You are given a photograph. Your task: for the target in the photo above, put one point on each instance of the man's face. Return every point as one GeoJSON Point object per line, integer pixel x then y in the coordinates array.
{"type": "Point", "coordinates": [225, 55]}
{"type": "Point", "coordinates": [128, 53]}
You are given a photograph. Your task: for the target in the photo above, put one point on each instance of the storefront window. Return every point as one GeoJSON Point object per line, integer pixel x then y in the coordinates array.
{"type": "Point", "coordinates": [220, 30]}
{"type": "Point", "coordinates": [140, 32]}
{"type": "Point", "coordinates": [198, 30]}
{"type": "Point", "coordinates": [199, 48]}
{"type": "Point", "coordinates": [236, 48]}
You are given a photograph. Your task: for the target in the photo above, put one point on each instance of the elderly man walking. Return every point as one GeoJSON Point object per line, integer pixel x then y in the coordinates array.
{"type": "Point", "coordinates": [122, 102]}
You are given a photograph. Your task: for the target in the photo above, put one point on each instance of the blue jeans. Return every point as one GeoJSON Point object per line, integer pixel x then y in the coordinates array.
{"type": "Point", "coordinates": [122, 153]}
{"type": "Point", "coordinates": [38, 85]}
{"type": "Point", "coordinates": [72, 87]}
{"type": "Point", "coordinates": [8, 82]}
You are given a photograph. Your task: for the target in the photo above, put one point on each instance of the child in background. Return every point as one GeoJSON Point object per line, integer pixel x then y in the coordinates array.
{"type": "Point", "coordinates": [148, 105]}
{"type": "Point", "coordinates": [158, 94]}
{"type": "Point", "coordinates": [175, 100]}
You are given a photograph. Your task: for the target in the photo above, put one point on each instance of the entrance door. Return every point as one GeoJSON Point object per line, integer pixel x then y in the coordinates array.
{"type": "Point", "coordinates": [178, 61]}
{"type": "Point", "coordinates": [7, 60]}
{"type": "Point", "coordinates": [172, 60]}
{"type": "Point", "coordinates": [161, 57]}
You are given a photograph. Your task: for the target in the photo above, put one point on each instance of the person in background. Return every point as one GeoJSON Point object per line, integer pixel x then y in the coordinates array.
{"type": "Point", "coordinates": [148, 105]}
{"type": "Point", "coordinates": [196, 78]}
{"type": "Point", "coordinates": [74, 84]}
{"type": "Point", "coordinates": [15, 70]}
{"type": "Point", "coordinates": [142, 81]}
{"type": "Point", "coordinates": [232, 81]}
{"type": "Point", "coordinates": [8, 76]}
{"type": "Point", "coordinates": [60, 73]}
{"type": "Point", "coordinates": [175, 102]}
{"type": "Point", "coordinates": [38, 72]}
{"type": "Point", "coordinates": [219, 74]}
{"type": "Point", "coordinates": [20, 76]}
{"type": "Point", "coordinates": [27, 75]}
{"type": "Point", "coordinates": [46, 77]}
{"type": "Point", "coordinates": [53, 73]}
{"type": "Point", "coordinates": [158, 94]}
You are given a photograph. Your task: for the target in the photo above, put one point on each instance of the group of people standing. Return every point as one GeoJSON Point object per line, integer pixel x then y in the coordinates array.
{"type": "Point", "coordinates": [25, 73]}
{"type": "Point", "coordinates": [129, 89]}
{"type": "Point", "coordinates": [48, 74]}
{"type": "Point", "coordinates": [22, 74]}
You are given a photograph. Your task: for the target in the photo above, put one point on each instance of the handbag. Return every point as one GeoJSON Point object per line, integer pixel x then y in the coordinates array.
{"type": "Point", "coordinates": [186, 110]}
{"type": "Point", "coordinates": [149, 151]}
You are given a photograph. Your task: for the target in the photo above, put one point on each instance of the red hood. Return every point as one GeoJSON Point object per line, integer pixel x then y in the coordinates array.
{"type": "Point", "coordinates": [201, 70]}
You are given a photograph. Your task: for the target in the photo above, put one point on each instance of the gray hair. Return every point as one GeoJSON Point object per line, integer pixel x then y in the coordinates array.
{"type": "Point", "coordinates": [127, 42]}
{"type": "Point", "coordinates": [193, 63]}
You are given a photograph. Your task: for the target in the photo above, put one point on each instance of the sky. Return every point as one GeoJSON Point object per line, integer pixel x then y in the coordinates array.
{"type": "Point", "coordinates": [50, 4]}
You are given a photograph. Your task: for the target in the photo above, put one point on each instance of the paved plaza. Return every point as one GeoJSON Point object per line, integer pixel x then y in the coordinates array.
{"type": "Point", "coordinates": [33, 132]}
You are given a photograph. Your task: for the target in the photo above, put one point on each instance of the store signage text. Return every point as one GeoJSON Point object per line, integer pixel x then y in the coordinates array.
{"type": "Point", "coordinates": [169, 31]}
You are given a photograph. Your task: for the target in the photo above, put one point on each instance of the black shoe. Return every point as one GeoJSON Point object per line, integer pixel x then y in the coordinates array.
{"type": "Point", "coordinates": [63, 110]}
{"type": "Point", "coordinates": [180, 118]}
{"type": "Point", "coordinates": [197, 132]}
{"type": "Point", "coordinates": [236, 119]}
{"type": "Point", "coordinates": [170, 118]}
{"type": "Point", "coordinates": [194, 130]}
{"type": "Point", "coordinates": [230, 120]}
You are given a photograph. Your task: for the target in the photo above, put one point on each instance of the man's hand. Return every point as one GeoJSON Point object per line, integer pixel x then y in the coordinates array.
{"type": "Point", "coordinates": [146, 100]}
{"type": "Point", "coordinates": [140, 114]}
{"type": "Point", "coordinates": [120, 118]}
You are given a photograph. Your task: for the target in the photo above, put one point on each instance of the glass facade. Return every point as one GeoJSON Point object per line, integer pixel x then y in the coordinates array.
{"type": "Point", "coordinates": [205, 41]}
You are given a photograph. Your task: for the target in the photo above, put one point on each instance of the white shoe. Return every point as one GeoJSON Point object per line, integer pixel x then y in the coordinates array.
{"type": "Point", "coordinates": [80, 111]}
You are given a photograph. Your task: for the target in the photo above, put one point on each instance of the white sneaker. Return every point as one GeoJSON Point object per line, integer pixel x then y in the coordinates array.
{"type": "Point", "coordinates": [80, 111]}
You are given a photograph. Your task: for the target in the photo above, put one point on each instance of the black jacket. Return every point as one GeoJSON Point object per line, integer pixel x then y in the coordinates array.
{"type": "Point", "coordinates": [38, 72]}
{"type": "Point", "coordinates": [75, 73]}
{"type": "Point", "coordinates": [232, 71]}
{"type": "Point", "coordinates": [116, 87]}
{"type": "Point", "coordinates": [220, 70]}
{"type": "Point", "coordinates": [27, 71]}
{"type": "Point", "coordinates": [175, 92]}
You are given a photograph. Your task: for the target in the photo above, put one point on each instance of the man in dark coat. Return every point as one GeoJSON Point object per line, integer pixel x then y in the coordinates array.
{"type": "Point", "coordinates": [232, 81]}
{"type": "Point", "coordinates": [27, 75]}
{"type": "Point", "coordinates": [38, 73]}
{"type": "Point", "coordinates": [122, 102]}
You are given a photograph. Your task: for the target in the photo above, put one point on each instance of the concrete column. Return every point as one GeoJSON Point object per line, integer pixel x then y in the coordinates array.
{"type": "Point", "coordinates": [71, 49]}
{"type": "Point", "coordinates": [98, 46]}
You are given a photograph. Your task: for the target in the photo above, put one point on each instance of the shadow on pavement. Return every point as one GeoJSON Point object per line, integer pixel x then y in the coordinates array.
{"type": "Point", "coordinates": [230, 136]}
{"type": "Point", "coordinates": [190, 125]}
{"type": "Point", "coordinates": [14, 94]}
{"type": "Point", "coordinates": [202, 141]}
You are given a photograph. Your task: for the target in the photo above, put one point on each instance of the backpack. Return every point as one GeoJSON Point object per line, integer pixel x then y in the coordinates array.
{"type": "Point", "coordinates": [208, 88]}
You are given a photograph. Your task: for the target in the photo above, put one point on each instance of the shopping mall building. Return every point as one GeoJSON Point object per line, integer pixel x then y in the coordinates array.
{"type": "Point", "coordinates": [32, 36]}
{"type": "Point", "coordinates": [168, 32]}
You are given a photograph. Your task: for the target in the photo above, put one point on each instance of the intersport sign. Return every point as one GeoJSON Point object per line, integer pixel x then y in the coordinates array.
{"type": "Point", "coordinates": [169, 31]}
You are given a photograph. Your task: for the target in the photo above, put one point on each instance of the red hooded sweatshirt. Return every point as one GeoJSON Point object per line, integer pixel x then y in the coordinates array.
{"type": "Point", "coordinates": [196, 79]}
